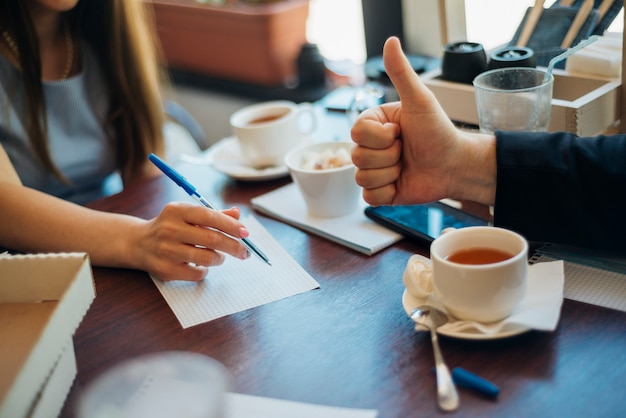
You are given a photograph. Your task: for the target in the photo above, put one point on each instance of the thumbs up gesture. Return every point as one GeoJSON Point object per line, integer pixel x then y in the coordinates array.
{"type": "Point", "coordinates": [410, 152]}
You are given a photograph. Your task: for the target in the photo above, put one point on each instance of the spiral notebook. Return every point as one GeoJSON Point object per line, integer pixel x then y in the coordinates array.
{"type": "Point", "coordinates": [590, 277]}
{"type": "Point", "coordinates": [355, 230]}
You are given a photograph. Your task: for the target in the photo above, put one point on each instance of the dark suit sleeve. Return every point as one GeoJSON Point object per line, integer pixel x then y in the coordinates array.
{"type": "Point", "coordinates": [558, 187]}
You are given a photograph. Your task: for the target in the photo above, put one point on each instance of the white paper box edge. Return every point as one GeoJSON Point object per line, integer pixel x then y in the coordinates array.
{"type": "Point", "coordinates": [64, 321]}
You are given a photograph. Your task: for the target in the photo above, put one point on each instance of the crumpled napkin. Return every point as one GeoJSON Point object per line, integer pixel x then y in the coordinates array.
{"type": "Point", "coordinates": [540, 309]}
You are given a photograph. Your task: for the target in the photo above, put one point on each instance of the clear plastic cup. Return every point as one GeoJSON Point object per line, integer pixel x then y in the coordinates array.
{"type": "Point", "coordinates": [166, 384]}
{"type": "Point", "coordinates": [513, 99]}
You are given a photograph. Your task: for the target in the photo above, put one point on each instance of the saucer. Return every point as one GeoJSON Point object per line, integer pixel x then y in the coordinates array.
{"type": "Point", "coordinates": [410, 302]}
{"type": "Point", "coordinates": [225, 157]}
{"type": "Point", "coordinates": [471, 330]}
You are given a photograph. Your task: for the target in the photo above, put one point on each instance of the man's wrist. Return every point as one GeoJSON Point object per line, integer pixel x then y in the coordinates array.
{"type": "Point", "coordinates": [476, 178]}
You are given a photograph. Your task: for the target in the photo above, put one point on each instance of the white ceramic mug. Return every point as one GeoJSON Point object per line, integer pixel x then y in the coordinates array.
{"type": "Point", "coordinates": [328, 192]}
{"type": "Point", "coordinates": [485, 286]}
{"type": "Point", "coordinates": [267, 131]}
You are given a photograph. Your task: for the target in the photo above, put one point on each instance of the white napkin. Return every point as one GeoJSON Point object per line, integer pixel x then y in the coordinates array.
{"type": "Point", "coordinates": [540, 309]}
{"type": "Point", "coordinates": [602, 58]}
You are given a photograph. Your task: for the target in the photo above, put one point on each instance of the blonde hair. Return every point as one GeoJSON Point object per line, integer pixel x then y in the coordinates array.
{"type": "Point", "coordinates": [121, 32]}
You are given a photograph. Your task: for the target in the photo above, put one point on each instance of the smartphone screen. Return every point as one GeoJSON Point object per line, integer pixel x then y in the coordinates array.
{"type": "Point", "coordinates": [424, 222]}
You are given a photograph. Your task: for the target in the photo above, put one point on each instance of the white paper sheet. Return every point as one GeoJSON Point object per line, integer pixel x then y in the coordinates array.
{"type": "Point", "coordinates": [354, 230]}
{"type": "Point", "coordinates": [161, 396]}
{"type": "Point", "coordinates": [244, 406]}
{"type": "Point", "coordinates": [590, 276]}
{"type": "Point", "coordinates": [238, 285]}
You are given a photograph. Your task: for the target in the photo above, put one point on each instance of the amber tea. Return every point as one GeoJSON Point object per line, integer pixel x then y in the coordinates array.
{"type": "Point", "coordinates": [478, 256]}
{"type": "Point", "coordinates": [266, 118]}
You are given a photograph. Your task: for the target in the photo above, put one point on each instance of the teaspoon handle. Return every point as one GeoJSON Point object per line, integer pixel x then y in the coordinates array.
{"type": "Point", "coordinates": [447, 395]}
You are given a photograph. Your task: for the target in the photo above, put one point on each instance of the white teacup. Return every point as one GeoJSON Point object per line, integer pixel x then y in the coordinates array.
{"type": "Point", "coordinates": [478, 273]}
{"type": "Point", "coordinates": [267, 131]}
{"type": "Point", "coordinates": [327, 191]}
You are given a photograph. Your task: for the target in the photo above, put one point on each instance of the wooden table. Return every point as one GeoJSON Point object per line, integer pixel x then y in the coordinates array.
{"type": "Point", "coordinates": [348, 343]}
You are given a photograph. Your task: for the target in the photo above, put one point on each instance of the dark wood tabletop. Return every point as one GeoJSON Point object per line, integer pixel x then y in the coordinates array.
{"type": "Point", "coordinates": [348, 343]}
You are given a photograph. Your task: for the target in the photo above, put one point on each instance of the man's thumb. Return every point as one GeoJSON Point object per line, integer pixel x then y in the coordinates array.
{"type": "Point", "coordinates": [400, 72]}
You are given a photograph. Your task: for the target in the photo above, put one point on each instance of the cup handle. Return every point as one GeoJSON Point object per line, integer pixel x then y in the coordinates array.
{"type": "Point", "coordinates": [307, 108]}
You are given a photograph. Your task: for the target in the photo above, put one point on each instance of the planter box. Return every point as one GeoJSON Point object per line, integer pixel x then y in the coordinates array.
{"type": "Point", "coordinates": [256, 44]}
{"type": "Point", "coordinates": [584, 106]}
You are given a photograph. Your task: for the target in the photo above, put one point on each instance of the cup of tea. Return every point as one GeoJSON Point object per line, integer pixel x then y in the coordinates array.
{"type": "Point", "coordinates": [267, 131]}
{"type": "Point", "coordinates": [478, 273]}
{"type": "Point", "coordinates": [324, 174]}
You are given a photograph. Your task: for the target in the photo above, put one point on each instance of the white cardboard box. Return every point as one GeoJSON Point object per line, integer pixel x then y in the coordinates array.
{"type": "Point", "coordinates": [52, 397]}
{"type": "Point", "coordinates": [583, 105]}
{"type": "Point", "coordinates": [43, 299]}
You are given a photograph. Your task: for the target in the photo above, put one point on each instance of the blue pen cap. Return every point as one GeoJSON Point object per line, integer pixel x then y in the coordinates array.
{"type": "Point", "coordinates": [467, 379]}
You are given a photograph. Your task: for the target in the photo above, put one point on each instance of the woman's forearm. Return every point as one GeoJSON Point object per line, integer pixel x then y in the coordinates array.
{"type": "Point", "coordinates": [36, 222]}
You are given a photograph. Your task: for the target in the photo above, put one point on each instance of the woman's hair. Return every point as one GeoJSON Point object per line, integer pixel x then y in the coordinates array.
{"type": "Point", "coordinates": [121, 32]}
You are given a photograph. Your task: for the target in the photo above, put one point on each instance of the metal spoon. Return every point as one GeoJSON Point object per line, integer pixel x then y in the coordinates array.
{"type": "Point", "coordinates": [432, 319]}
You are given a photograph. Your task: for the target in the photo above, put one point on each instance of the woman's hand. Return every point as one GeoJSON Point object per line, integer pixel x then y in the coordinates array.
{"type": "Point", "coordinates": [186, 239]}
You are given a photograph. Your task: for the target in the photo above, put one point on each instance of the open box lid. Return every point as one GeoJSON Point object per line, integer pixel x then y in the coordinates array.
{"type": "Point", "coordinates": [43, 299]}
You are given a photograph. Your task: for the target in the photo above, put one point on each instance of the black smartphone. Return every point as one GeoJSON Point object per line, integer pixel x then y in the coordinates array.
{"type": "Point", "coordinates": [422, 223]}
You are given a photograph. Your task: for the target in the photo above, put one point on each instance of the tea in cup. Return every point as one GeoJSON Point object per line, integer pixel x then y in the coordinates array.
{"type": "Point", "coordinates": [324, 174]}
{"type": "Point", "coordinates": [267, 131]}
{"type": "Point", "coordinates": [479, 273]}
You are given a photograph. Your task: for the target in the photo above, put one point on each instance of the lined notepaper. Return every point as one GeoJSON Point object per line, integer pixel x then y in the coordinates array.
{"type": "Point", "coordinates": [590, 277]}
{"type": "Point", "coordinates": [238, 285]}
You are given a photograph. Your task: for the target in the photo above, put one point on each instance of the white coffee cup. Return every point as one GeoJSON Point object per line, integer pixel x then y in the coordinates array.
{"type": "Point", "coordinates": [327, 192]}
{"type": "Point", "coordinates": [267, 131]}
{"type": "Point", "coordinates": [479, 273]}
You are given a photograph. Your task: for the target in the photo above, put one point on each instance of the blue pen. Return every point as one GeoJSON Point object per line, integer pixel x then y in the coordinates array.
{"type": "Point", "coordinates": [193, 192]}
